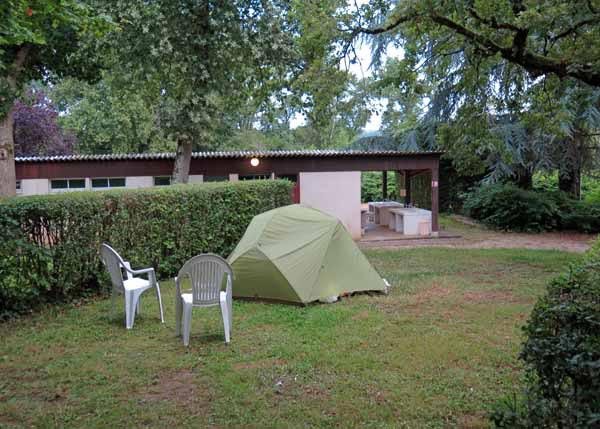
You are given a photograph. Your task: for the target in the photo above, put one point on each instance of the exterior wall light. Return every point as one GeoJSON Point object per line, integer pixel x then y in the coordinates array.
{"type": "Point", "coordinates": [254, 162]}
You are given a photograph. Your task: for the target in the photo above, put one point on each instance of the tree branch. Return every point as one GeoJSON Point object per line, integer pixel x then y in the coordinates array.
{"type": "Point", "coordinates": [517, 53]}
{"type": "Point", "coordinates": [575, 27]}
{"type": "Point", "coordinates": [17, 66]}
{"type": "Point", "coordinates": [492, 22]}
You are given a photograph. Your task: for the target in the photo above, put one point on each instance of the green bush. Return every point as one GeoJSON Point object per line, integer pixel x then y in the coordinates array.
{"type": "Point", "coordinates": [50, 243]}
{"type": "Point", "coordinates": [507, 207]}
{"type": "Point", "coordinates": [562, 354]}
{"type": "Point", "coordinates": [581, 216]}
{"type": "Point", "coordinates": [593, 196]}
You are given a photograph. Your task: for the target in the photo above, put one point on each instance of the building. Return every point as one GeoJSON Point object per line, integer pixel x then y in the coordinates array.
{"type": "Point", "coordinates": [325, 179]}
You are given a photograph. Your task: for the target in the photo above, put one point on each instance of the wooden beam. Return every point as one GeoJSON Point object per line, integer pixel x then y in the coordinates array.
{"type": "Point", "coordinates": [407, 199]}
{"type": "Point", "coordinates": [384, 184]}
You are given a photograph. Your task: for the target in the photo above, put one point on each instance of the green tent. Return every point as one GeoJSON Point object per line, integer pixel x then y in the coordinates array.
{"type": "Point", "coordinates": [300, 254]}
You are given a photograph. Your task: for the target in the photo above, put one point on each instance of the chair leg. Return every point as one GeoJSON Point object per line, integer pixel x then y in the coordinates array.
{"type": "Point", "coordinates": [138, 307]}
{"type": "Point", "coordinates": [187, 324]}
{"type": "Point", "coordinates": [225, 315]}
{"type": "Point", "coordinates": [128, 310]}
{"type": "Point", "coordinates": [230, 312]}
{"type": "Point", "coordinates": [160, 307]}
{"type": "Point", "coordinates": [131, 302]}
{"type": "Point", "coordinates": [178, 315]}
{"type": "Point", "coordinates": [113, 303]}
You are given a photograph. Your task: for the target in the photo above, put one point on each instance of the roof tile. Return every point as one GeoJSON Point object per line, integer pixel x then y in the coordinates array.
{"type": "Point", "coordinates": [224, 154]}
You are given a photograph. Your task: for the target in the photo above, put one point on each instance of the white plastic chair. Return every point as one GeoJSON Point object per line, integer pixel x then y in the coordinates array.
{"type": "Point", "coordinates": [206, 273]}
{"type": "Point", "coordinates": [132, 287]}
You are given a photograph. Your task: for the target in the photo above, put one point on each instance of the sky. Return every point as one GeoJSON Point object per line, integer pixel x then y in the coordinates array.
{"type": "Point", "coordinates": [361, 69]}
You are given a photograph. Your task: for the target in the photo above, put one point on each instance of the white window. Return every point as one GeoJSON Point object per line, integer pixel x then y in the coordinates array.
{"type": "Point", "coordinates": [18, 186]}
{"type": "Point", "coordinates": [59, 185]}
{"type": "Point", "coordinates": [162, 181]}
{"type": "Point", "coordinates": [216, 178]}
{"type": "Point", "coordinates": [108, 182]}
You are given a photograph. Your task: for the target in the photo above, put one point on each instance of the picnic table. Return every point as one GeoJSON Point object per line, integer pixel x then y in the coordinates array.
{"type": "Point", "coordinates": [381, 210]}
{"type": "Point", "coordinates": [410, 221]}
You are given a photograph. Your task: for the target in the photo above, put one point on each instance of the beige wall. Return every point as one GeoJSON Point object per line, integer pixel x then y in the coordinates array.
{"type": "Point", "coordinates": [34, 186]}
{"type": "Point", "coordinates": [139, 181]}
{"type": "Point", "coordinates": [336, 193]}
{"type": "Point", "coordinates": [196, 178]}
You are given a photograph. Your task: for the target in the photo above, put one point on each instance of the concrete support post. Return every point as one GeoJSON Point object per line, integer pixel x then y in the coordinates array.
{"type": "Point", "coordinates": [435, 203]}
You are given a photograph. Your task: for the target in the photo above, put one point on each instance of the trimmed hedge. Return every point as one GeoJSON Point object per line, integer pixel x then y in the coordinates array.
{"type": "Point", "coordinates": [562, 355]}
{"type": "Point", "coordinates": [507, 207]}
{"type": "Point", "coordinates": [50, 243]}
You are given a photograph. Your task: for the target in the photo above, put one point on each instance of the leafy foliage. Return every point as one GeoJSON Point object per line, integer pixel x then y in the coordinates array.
{"type": "Point", "coordinates": [38, 38]}
{"type": "Point", "coordinates": [50, 243]}
{"type": "Point", "coordinates": [562, 354]}
{"type": "Point", "coordinates": [490, 111]}
{"type": "Point", "coordinates": [37, 131]}
{"type": "Point", "coordinates": [372, 186]}
{"type": "Point", "coordinates": [197, 60]}
{"type": "Point", "coordinates": [507, 207]}
{"type": "Point", "coordinates": [108, 119]}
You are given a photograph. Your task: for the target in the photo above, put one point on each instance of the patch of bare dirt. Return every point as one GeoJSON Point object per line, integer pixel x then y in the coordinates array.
{"type": "Point", "coordinates": [178, 387]}
{"type": "Point", "coordinates": [417, 303]}
{"type": "Point", "coordinates": [472, 421]}
{"type": "Point", "coordinates": [363, 315]}
{"type": "Point", "coordinates": [259, 364]}
{"type": "Point", "coordinates": [487, 297]}
{"type": "Point", "coordinates": [434, 292]}
{"type": "Point", "coordinates": [565, 241]}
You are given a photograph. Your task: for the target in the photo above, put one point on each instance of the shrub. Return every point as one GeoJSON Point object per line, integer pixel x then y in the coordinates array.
{"type": "Point", "coordinates": [562, 354]}
{"type": "Point", "coordinates": [581, 216]}
{"type": "Point", "coordinates": [50, 243]}
{"type": "Point", "coordinates": [508, 207]}
{"type": "Point", "coordinates": [593, 196]}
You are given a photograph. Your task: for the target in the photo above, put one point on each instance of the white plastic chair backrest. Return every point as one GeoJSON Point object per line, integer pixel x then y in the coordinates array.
{"type": "Point", "coordinates": [114, 264]}
{"type": "Point", "coordinates": [206, 273]}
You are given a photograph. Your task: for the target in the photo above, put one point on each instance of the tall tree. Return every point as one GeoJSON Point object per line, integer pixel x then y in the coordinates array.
{"type": "Point", "coordinates": [107, 119]}
{"type": "Point", "coordinates": [197, 59]}
{"type": "Point", "coordinates": [556, 37]}
{"type": "Point", "coordinates": [489, 110]}
{"type": "Point", "coordinates": [37, 40]}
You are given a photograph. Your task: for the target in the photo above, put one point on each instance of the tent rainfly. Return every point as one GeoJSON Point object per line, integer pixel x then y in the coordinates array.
{"type": "Point", "coordinates": [300, 254]}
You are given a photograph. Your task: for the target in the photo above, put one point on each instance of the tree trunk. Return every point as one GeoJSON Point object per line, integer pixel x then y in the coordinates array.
{"type": "Point", "coordinates": [569, 173]}
{"type": "Point", "coordinates": [183, 158]}
{"type": "Point", "coordinates": [7, 156]}
{"type": "Point", "coordinates": [524, 180]}
{"type": "Point", "coordinates": [569, 181]}
{"type": "Point", "coordinates": [8, 177]}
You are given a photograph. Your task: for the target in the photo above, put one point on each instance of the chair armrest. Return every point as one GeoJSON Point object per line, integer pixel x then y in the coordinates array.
{"type": "Point", "coordinates": [131, 273]}
{"type": "Point", "coordinates": [177, 288]}
{"type": "Point", "coordinates": [142, 271]}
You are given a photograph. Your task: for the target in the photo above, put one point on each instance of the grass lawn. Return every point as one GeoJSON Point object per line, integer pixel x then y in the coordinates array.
{"type": "Point", "coordinates": [437, 352]}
